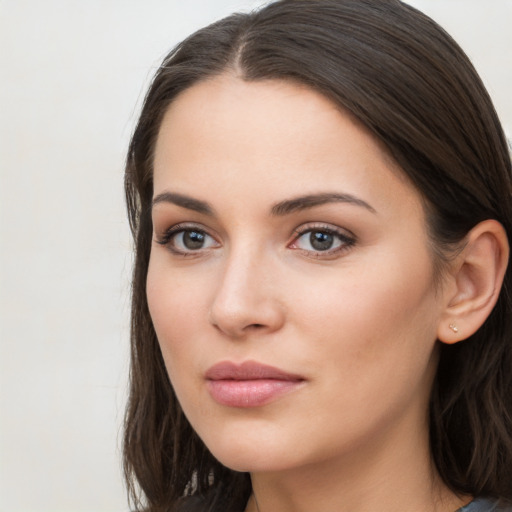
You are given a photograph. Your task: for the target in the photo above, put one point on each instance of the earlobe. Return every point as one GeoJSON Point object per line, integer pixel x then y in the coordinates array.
{"type": "Point", "coordinates": [477, 275]}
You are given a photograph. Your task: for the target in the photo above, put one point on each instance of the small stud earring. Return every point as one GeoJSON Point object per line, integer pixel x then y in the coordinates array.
{"type": "Point", "coordinates": [454, 328]}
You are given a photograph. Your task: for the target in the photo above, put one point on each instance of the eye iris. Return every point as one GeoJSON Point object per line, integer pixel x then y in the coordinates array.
{"type": "Point", "coordinates": [320, 240]}
{"type": "Point", "coordinates": [193, 239]}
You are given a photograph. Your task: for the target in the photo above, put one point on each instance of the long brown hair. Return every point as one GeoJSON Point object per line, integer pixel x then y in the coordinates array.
{"type": "Point", "coordinates": [413, 87]}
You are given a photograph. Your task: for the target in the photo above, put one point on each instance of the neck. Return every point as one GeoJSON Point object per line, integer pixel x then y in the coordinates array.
{"type": "Point", "coordinates": [395, 474]}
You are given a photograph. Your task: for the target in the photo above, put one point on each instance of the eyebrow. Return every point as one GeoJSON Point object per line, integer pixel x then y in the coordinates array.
{"type": "Point", "coordinates": [309, 201]}
{"type": "Point", "coordinates": [280, 209]}
{"type": "Point", "coordinates": [184, 201]}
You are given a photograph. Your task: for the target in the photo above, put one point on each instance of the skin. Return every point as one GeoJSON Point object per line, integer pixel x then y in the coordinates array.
{"type": "Point", "coordinates": [358, 323]}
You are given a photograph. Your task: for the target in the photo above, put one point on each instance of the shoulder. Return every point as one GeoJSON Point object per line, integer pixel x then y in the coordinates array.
{"type": "Point", "coordinates": [485, 505]}
{"type": "Point", "coordinates": [202, 503]}
{"type": "Point", "coordinates": [192, 504]}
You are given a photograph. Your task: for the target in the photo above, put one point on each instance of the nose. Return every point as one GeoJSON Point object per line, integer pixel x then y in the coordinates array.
{"type": "Point", "coordinates": [247, 299]}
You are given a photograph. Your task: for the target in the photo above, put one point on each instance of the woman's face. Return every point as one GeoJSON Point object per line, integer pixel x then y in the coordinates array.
{"type": "Point", "coordinates": [290, 281]}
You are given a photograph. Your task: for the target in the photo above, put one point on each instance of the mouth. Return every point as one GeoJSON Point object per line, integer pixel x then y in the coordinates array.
{"type": "Point", "coordinates": [249, 384]}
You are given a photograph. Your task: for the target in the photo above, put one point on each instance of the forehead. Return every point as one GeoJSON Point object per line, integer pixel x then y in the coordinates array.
{"type": "Point", "coordinates": [271, 138]}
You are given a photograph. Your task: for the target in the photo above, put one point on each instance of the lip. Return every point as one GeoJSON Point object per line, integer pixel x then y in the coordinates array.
{"type": "Point", "coordinates": [250, 384]}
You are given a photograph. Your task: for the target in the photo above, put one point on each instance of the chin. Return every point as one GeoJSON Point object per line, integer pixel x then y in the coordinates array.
{"type": "Point", "coordinates": [255, 461]}
{"type": "Point", "coordinates": [249, 454]}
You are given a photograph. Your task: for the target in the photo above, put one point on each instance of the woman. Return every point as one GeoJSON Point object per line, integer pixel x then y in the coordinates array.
{"type": "Point", "coordinates": [320, 198]}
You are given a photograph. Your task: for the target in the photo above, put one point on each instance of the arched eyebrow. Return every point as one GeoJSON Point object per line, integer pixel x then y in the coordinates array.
{"type": "Point", "coordinates": [309, 201]}
{"type": "Point", "coordinates": [185, 202]}
{"type": "Point", "coordinates": [279, 209]}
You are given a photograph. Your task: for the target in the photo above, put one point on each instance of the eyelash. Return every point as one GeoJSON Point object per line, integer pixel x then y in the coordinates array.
{"type": "Point", "coordinates": [167, 238]}
{"type": "Point", "coordinates": [346, 241]}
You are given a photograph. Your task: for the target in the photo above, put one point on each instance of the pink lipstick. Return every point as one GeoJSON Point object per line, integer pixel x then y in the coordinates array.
{"type": "Point", "coordinates": [249, 384]}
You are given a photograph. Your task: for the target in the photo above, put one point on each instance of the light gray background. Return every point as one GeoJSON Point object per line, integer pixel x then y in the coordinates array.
{"type": "Point", "coordinates": [72, 76]}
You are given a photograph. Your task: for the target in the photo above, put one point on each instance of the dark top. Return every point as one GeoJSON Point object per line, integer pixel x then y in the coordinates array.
{"type": "Point", "coordinates": [483, 505]}
{"type": "Point", "coordinates": [197, 504]}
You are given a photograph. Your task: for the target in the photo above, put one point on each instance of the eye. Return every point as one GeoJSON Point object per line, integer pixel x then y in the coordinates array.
{"type": "Point", "coordinates": [192, 240]}
{"type": "Point", "coordinates": [322, 240]}
{"type": "Point", "coordinates": [186, 240]}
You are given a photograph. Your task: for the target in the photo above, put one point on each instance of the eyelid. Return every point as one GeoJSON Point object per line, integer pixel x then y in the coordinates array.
{"type": "Point", "coordinates": [347, 238]}
{"type": "Point", "coordinates": [168, 234]}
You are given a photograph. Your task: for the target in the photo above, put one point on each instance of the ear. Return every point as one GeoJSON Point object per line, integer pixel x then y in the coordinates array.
{"type": "Point", "coordinates": [474, 282]}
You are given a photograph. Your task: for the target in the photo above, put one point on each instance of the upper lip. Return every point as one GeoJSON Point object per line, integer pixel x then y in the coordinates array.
{"type": "Point", "coordinates": [248, 370]}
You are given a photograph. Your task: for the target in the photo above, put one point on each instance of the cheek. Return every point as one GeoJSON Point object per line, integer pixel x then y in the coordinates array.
{"type": "Point", "coordinates": [176, 306]}
{"type": "Point", "coordinates": [374, 318]}
{"type": "Point", "coordinates": [373, 338]}
{"type": "Point", "coordinates": [175, 309]}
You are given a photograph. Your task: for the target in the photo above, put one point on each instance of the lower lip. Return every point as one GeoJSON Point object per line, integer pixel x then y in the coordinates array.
{"type": "Point", "coordinates": [249, 393]}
